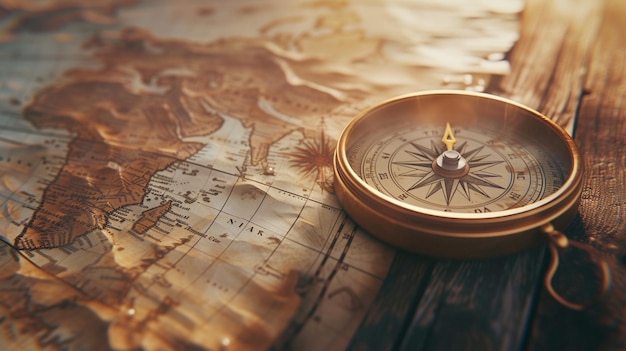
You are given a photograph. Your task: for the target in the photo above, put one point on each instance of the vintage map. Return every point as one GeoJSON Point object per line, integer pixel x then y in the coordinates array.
{"type": "Point", "coordinates": [165, 166]}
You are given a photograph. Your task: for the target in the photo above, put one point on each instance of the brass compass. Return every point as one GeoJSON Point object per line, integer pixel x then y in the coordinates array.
{"type": "Point", "coordinates": [460, 174]}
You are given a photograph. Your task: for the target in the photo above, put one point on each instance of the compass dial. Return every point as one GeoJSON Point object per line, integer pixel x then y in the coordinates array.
{"type": "Point", "coordinates": [495, 173]}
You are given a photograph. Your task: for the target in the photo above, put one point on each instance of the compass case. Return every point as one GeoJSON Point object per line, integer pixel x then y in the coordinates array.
{"type": "Point", "coordinates": [442, 233]}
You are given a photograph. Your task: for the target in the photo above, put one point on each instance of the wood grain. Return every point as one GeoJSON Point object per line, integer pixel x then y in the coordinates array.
{"type": "Point", "coordinates": [476, 305]}
{"type": "Point", "coordinates": [601, 135]}
{"type": "Point", "coordinates": [385, 322]}
{"type": "Point", "coordinates": [549, 62]}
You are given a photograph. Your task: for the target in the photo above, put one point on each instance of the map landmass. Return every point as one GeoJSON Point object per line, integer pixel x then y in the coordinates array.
{"type": "Point", "coordinates": [131, 119]}
{"type": "Point", "coordinates": [151, 217]}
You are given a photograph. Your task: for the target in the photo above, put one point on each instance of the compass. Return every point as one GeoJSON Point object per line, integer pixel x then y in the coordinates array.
{"type": "Point", "coordinates": [460, 175]}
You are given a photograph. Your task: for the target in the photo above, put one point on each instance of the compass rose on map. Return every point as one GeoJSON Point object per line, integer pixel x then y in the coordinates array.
{"type": "Point", "coordinates": [315, 156]}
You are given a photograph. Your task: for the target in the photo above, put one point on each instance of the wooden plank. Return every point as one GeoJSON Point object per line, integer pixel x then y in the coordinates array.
{"type": "Point", "coordinates": [549, 63]}
{"type": "Point", "coordinates": [601, 135]}
{"type": "Point", "coordinates": [384, 325]}
{"type": "Point", "coordinates": [476, 305]}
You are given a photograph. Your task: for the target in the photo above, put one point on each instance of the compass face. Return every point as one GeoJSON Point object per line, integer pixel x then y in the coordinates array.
{"type": "Point", "coordinates": [496, 173]}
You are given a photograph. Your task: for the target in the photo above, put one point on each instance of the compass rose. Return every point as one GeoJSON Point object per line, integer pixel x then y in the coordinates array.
{"type": "Point", "coordinates": [315, 156]}
{"type": "Point", "coordinates": [430, 167]}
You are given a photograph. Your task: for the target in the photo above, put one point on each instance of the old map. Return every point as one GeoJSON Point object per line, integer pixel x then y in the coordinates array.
{"type": "Point", "coordinates": [165, 166]}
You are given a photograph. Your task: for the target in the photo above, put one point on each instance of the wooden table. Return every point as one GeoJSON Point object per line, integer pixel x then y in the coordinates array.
{"type": "Point", "coordinates": [570, 62]}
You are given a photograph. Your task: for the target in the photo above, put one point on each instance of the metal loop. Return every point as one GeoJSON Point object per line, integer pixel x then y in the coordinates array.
{"type": "Point", "coordinates": [558, 241]}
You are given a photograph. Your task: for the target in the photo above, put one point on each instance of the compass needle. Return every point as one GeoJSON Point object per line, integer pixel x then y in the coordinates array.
{"type": "Point", "coordinates": [448, 137]}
